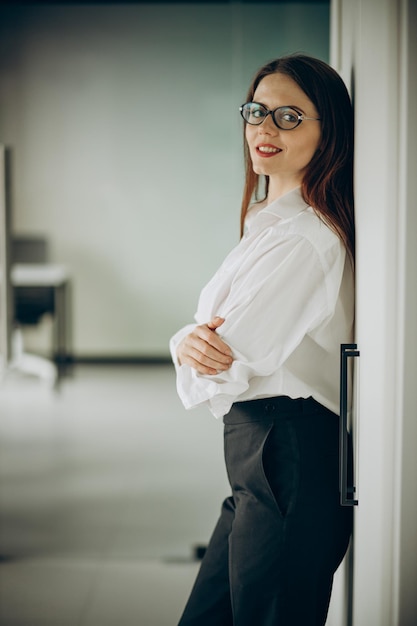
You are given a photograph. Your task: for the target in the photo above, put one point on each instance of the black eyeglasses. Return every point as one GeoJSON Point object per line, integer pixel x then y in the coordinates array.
{"type": "Point", "coordinates": [285, 118]}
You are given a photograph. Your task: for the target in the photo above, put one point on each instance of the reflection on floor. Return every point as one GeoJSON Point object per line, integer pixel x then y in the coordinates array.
{"type": "Point", "coordinates": [105, 487]}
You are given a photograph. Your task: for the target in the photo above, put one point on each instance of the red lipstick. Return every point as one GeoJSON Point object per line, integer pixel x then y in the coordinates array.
{"type": "Point", "coordinates": [267, 150]}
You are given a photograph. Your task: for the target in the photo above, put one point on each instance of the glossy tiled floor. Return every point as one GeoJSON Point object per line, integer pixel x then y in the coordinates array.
{"type": "Point", "coordinates": [104, 489]}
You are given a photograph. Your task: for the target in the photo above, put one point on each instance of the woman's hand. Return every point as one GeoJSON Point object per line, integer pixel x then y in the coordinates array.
{"type": "Point", "coordinates": [203, 349]}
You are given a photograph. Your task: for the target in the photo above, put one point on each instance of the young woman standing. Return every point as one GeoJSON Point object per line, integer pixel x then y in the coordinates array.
{"type": "Point", "coordinates": [264, 356]}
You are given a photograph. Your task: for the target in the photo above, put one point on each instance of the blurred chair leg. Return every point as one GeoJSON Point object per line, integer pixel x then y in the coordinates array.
{"type": "Point", "coordinates": [31, 364]}
{"type": "Point", "coordinates": [62, 328]}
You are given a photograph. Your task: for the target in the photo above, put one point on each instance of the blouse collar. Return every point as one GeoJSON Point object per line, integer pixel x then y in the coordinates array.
{"type": "Point", "coordinates": [287, 206]}
{"type": "Point", "coordinates": [284, 208]}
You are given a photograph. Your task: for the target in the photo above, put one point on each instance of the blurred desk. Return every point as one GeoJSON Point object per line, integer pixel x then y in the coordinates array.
{"type": "Point", "coordinates": [45, 288]}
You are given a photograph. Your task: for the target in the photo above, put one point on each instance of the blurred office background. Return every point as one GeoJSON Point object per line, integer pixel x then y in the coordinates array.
{"type": "Point", "coordinates": [126, 158]}
{"type": "Point", "coordinates": [127, 148]}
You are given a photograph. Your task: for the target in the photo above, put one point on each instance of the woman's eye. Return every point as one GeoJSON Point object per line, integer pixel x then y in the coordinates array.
{"type": "Point", "coordinates": [258, 113]}
{"type": "Point", "coordinates": [289, 117]}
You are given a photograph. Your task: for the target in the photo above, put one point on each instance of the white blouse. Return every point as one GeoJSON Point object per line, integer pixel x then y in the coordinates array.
{"type": "Point", "coordinates": [287, 295]}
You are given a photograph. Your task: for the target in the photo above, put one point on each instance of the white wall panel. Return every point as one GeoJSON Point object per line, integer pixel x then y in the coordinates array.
{"type": "Point", "coordinates": [377, 48]}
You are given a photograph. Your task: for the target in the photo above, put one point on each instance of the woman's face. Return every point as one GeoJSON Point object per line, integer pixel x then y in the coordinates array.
{"type": "Point", "coordinates": [283, 155]}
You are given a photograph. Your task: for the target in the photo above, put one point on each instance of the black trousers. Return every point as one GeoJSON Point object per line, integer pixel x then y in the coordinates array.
{"type": "Point", "coordinates": [282, 533]}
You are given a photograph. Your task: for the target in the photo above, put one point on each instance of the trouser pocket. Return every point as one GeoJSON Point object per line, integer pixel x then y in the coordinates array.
{"type": "Point", "coordinates": [262, 463]}
{"type": "Point", "coordinates": [280, 463]}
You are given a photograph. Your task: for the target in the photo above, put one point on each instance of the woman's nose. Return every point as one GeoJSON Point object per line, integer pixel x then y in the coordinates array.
{"type": "Point", "coordinates": [268, 125]}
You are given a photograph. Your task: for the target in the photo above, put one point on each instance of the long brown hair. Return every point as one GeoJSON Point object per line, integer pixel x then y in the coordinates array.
{"type": "Point", "coordinates": [327, 185]}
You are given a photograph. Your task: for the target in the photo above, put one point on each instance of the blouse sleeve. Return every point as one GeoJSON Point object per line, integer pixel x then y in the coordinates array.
{"type": "Point", "coordinates": [278, 295]}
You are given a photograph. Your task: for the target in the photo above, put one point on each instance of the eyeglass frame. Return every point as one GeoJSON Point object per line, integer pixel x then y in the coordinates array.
{"type": "Point", "coordinates": [300, 116]}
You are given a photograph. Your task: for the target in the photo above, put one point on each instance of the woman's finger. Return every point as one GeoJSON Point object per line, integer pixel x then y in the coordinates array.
{"type": "Point", "coordinates": [203, 353]}
{"type": "Point", "coordinates": [211, 348]}
{"type": "Point", "coordinates": [198, 366]}
{"type": "Point", "coordinates": [203, 350]}
{"type": "Point", "coordinates": [212, 338]}
{"type": "Point", "coordinates": [215, 323]}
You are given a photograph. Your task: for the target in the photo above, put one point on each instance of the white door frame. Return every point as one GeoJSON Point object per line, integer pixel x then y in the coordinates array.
{"type": "Point", "coordinates": [373, 47]}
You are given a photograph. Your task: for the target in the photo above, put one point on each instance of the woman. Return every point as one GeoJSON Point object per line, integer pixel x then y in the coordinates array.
{"type": "Point", "coordinates": [264, 355]}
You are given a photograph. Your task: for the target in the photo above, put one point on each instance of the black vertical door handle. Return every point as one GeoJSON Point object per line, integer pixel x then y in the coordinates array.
{"type": "Point", "coordinates": [347, 491]}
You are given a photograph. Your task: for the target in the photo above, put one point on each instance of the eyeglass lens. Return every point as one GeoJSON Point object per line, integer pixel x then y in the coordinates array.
{"type": "Point", "coordinates": [284, 117]}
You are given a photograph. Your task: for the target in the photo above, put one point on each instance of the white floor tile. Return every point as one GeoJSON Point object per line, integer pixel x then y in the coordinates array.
{"type": "Point", "coordinates": [140, 594]}
{"type": "Point", "coordinates": [41, 591]}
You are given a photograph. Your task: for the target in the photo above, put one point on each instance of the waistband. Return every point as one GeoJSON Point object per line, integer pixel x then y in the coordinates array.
{"type": "Point", "coordinates": [277, 407]}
